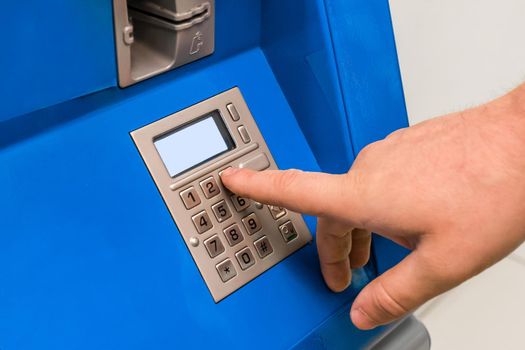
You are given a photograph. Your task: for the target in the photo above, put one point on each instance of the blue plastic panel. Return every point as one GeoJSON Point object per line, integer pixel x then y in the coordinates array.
{"type": "Point", "coordinates": [53, 51]}
{"type": "Point", "coordinates": [336, 62]}
{"type": "Point", "coordinates": [368, 68]}
{"type": "Point", "coordinates": [296, 40]}
{"type": "Point", "coordinates": [90, 257]}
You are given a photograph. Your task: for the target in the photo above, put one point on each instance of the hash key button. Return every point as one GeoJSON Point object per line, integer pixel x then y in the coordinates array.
{"type": "Point", "coordinates": [226, 270]}
{"type": "Point", "coordinates": [263, 247]}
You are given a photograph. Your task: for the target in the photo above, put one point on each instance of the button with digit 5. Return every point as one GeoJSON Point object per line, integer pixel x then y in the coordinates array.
{"type": "Point", "coordinates": [221, 211]}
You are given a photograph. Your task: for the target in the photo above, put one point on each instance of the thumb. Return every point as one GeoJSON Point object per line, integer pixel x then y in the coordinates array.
{"type": "Point", "coordinates": [397, 292]}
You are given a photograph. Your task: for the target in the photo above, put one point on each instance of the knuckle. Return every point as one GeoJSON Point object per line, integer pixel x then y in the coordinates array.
{"type": "Point", "coordinates": [396, 134]}
{"type": "Point", "coordinates": [365, 151]}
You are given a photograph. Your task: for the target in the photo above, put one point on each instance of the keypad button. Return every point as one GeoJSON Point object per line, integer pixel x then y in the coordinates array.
{"type": "Point", "coordinates": [226, 270]}
{"type": "Point", "coordinates": [202, 222]}
{"type": "Point", "coordinates": [245, 136]}
{"type": "Point", "coordinates": [210, 187]}
{"type": "Point", "coordinates": [258, 163]}
{"type": "Point", "coordinates": [190, 198]}
{"type": "Point", "coordinates": [240, 203]}
{"type": "Point", "coordinates": [277, 212]}
{"type": "Point", "coordinates": [288, 231]}
{"type": "Point", "coordinates": [214, 246]}
{"type": "Point", "coordinates": [263, 247]}
{"type": "Point", "coordinates": [245, 258]}
{"type": "Point", "coordinates": [233, 235]}
{"type": "Point", "coordinates": [233, 112]}
{"type": "Point", "coordinates": [221, 211]}
{"type": "Point", "coordinates": [251, 223]}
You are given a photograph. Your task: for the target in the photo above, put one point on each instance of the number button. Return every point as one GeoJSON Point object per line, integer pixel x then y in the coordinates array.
{"type": "Point", "coordinates": [277, 212]}
{"type": "Point", "coordinates": [210, 187]}
{"type": "Point", "coordinates": [245, 258]}
{"type": "Point", "coordinates": [214, 246]}
{"type": "Point", "coordinates": [221, 211]}
{"type": "Point", "coordinates": [240, 203]}
{"type": "Point", "coordinates": [233, 235]}
{"type": "Point", "coordinates": [226, 270]}
{"type": "Point", "coordinates": [288, 231]}
{"type": "Point", "coordinates": [251, 223]}
{"type": "Point", "coordinates": [190, 198]}
{"type": "Point", "coordinates": [263, 247]}
{"type": "Point", "coordinates": [202, 222]}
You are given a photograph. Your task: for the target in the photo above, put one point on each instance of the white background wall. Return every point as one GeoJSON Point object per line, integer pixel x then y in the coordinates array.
{"type": "Point", "coordinates": [455, 54]}
{"type": "Point", "coordinates": [458, 53]}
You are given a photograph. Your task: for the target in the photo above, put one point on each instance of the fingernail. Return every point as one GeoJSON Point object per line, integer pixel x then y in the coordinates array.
{"type": "Point", "coordinates": [229, 171]}
{"type": "Point", "coordinates": [361, 320]}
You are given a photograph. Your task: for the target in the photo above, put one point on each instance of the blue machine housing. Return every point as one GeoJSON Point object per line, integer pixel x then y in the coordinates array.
{"type": "Point", "coordinates": [90, 257]}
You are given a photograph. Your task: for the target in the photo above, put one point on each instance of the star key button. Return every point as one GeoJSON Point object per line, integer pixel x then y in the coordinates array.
{"type": "Point", "coordinates": [226, 270]}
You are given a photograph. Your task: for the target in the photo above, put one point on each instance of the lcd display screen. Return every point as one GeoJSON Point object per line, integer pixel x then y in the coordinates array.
{"type": "Point", "coordinates": [194, 144]}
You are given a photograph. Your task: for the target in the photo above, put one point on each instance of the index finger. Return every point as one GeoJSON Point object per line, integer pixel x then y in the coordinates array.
{"type": "Point", "coordinates": [311, 193]}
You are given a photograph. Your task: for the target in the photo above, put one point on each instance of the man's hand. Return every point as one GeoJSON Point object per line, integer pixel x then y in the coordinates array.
{"type": "Point", "coordinates": [451, 189]}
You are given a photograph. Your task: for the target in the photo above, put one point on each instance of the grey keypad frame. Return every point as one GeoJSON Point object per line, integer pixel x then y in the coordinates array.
{"type": "Point", "coordinates": [241, 155]}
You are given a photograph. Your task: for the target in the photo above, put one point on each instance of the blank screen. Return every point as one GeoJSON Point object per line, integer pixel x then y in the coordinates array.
{"type": "Point", "coordinates": [194, 144]}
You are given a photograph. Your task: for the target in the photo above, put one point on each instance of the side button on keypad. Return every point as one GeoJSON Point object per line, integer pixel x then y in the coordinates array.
{"type": "Point", "coordinates": [226, 270]}
{"type": "Point", "coordinates": [245, 258]}
{"type": "Point", "coordinates": [277, 212]}
{"type": "Point", "coordinates": [263, 247]}
{"type": "Point", "coordinates": [202, 222]}
{"type": "Point", "coordinates": [214, 246]}
{"type": "Point", "coordinates": [288, 231]}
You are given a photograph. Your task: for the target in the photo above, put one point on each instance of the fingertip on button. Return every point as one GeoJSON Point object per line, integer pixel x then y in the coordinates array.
{"type": "Point", "coordinates": [228, 171]}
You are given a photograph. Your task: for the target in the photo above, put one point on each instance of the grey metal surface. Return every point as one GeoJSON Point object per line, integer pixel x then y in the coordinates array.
{"type": "Point", "coordinates": [276, 249]}
{"type": "Point", "coordinates": [409, 334]}
{"type": "Point", "coordinates": [155, 36]}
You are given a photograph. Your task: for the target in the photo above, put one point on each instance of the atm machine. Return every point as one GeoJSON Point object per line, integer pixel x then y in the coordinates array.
{"type": "Point", "coordinates": [116, 120]}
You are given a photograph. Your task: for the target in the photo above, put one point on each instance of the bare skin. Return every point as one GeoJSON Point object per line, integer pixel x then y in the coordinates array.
{"type": "Point", "coordinates": [451, 189]}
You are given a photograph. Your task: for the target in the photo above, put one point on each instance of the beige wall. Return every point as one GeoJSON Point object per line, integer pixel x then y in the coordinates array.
{"type": "Point", "coordinates": [458, 53]}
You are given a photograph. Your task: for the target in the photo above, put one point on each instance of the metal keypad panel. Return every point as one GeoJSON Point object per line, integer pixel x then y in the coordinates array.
{"type": "Point", "coordinates": [232, 239]}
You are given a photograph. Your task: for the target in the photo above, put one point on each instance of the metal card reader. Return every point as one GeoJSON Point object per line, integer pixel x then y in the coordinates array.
{"type": "Point", "coordinates": [154, 36]}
